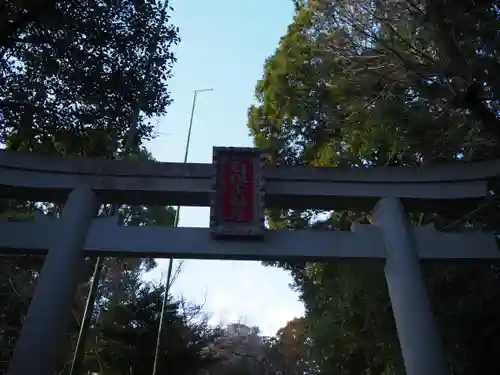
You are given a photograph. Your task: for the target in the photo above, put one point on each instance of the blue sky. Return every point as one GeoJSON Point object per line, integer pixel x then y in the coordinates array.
{"type": "Point", "coordinates": [224, 45]}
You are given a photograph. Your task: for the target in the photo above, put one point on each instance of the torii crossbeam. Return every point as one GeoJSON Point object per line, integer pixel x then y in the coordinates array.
{"type": "Point", "coordinates": [238, 187]}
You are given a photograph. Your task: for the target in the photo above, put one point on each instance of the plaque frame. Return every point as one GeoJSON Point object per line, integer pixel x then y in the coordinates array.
{"type": "Point", "coordinates": [221, 229]}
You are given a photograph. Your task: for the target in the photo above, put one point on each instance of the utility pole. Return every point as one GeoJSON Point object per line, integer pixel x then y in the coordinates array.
{"type": "Point", "coordinates": [171, 260]}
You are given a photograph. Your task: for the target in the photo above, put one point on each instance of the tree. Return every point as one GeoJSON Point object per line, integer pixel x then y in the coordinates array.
{"type": "Point", "coordinates": [288, 353]}
{"type": "Point", "coordinates": [363, 84]}
{"type": "Point", "coordinates": [121, 281]}
{"type": "Point", "coordinates": [16, 16]}
{"type": "Point", "coordinates": [123, 341]}
{"type": "Point", "coordinates": [71, 77]}
{"type": "Point", "coordinates": [72, 81]}
{"type": "Point", "coordinates": [293, 344]}
{"type": "Point", "coordinates": [240, 350]}
{"type": "Point", "coordinates": [237, 350]}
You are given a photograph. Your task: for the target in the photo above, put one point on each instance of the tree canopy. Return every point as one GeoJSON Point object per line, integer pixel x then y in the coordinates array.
{"type": "Point", "coordinates": [74, 72]}
{"type": "Point", "coordinates": [360, 84]}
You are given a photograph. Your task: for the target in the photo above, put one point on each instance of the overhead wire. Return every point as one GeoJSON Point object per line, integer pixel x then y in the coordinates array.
{"type": "Point", "coordinates": [131, 146]}
{"type": "Point", "coordinates": [169, 279]}
{"type": "Point", "coordinates": [486, 203]}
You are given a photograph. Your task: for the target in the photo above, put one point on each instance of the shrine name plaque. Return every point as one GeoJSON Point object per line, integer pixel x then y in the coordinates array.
{"type": "Point", "coordinates": [237, 203]}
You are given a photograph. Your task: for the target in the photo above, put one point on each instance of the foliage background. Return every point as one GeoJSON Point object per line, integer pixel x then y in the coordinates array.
{"type": "Point", "coordinates": [360, 84]}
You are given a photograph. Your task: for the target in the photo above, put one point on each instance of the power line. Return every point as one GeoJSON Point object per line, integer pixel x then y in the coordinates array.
{"type": "Point", "coordinates": [131, 146]}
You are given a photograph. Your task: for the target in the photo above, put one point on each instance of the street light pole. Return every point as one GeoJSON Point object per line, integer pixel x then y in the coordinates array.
{"type": "Point", "coordinates": [188, 141]}
{"type": "Point", "coordinates": [171, 260]}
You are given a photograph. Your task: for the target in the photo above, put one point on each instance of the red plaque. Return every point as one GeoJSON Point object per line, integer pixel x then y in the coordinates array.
{"type": "Point", "coordinates": [237, 190]}
{"type": "Point", "coordinates": [237, 203]}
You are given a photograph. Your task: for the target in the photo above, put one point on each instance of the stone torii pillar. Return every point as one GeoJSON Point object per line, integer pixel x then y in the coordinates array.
{"type": "Point", "coordinates": [43, 331]}
{"type": "Point", "coordinates": [421, 345]}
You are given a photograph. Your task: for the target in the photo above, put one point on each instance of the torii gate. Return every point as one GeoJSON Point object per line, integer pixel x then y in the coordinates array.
{"type": "Point", "coordinates": [237, 187]}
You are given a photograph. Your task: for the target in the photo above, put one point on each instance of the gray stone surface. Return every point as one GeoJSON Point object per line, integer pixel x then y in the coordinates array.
{"type": "Point", "coordinates": [419, 337]}
{"type": "Point", "coordinates": [106, 238]}
{"type": "Point", "coordinates": [37, 347]}
{"type": "Point", "coordinates": [457, 187]}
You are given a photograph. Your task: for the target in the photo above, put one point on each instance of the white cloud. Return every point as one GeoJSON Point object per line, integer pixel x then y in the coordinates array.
{"type": "Point", "coordinates": [234, 290]}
